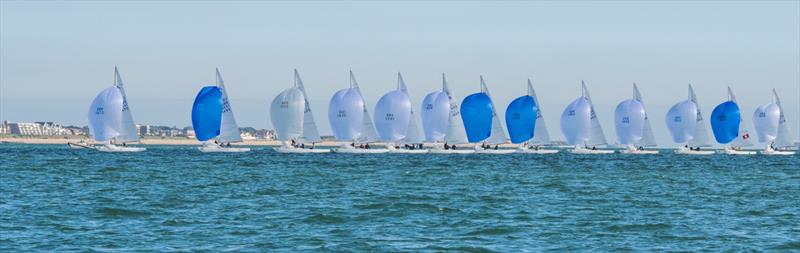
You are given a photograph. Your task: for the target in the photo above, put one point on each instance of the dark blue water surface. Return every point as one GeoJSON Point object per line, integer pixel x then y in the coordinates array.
{"type": "Point", "coordinates": [172, 198]}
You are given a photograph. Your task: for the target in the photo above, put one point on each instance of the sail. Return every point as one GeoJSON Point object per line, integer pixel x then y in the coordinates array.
{"type": "Point", "coordinates": [596, 136]}
{"type": "Point", "coordinates": [765, 120]}
{"type": "Point", "coordinates": [540, 133]}
{"type": "Point", "coordinates": [700, 136]}
{"type": "Point", "coordinates": [498, 134]}
{"type": "Point", "coordinates": [456, 134]}
{"type": "Point", "coordinates": [286, 113]}
{"type": "Point", "coordinates": [629, 120]}
{"type": "Point", "coordinates": [682, 120]}
{"type": "Point", "coordinates": [127, 127]}
{"type": "Point", "coordinates": [105, 114]}
{"type": "Point", "coordinates": [368, 133]}
{"type": "Point", "coordinates": [725, 122]}
{"type": "Point", "coordinates": [229, 131]}
{"type": "Point", "coordinates": [310, 131]}
{"type": "Point", "coordinates": [521, 119]}
{"type": "Point", "coordinates": [412, 136]}
{"type": "Point", "coordinates": [648, 139]}
{"type": "Point", "coordinates": [207, 113]}
{"type": "Point", "coordinates": [392, 116]}
{"type": "Point", "coordinates": [743, 136]}
{"type": "Point", "coordinates": [435, 116]}
{"type": "Point", "coordinates": [346, 114]}
{"type": "Point", "coordinates": [784, 138]}
{"type": "Point", "coordinates": [476, 112]}
{"type": "Point", "coordinates": [576, 121]}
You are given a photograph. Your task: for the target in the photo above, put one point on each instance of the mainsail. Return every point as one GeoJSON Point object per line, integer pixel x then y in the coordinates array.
{"type": "Point", "coordinates": [456, 134]}
{"type": "Point", "coordinates": [368, 133]}
{"type": "Point", "coordinates": [784, 138]}
{"type": "Point", "coordinates": [540, 133]}
{"type": "Point", "coordinates": [498, 134]}
{"type": "Point", "coordinates": [229, 131]}
{"type": "Point", "coordinates": [127, 131]}
{"type": "Point", "coordinates": [310, 131]}
{"type": "Point", "coordinates": [700, 136]}
{"type": "Point", "coordinates": [412, 135]}
{"type": "Point", "coordinates": [596, 136]}
{"type": "Point", "coordinates": [648, 139]}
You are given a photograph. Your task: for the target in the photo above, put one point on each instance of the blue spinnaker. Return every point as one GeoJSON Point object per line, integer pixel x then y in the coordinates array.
{"type": "Point", "coordinates": [521, 119]}
{"type": "Point", "coordinates": [476, 112]}
{"type": "Point", "coordinates": [725, 122]}
{"type": "Point", "coordinates": [207, 113]}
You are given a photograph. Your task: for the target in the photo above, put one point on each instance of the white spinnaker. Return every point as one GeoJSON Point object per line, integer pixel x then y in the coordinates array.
{"type": "Point", "coordinates": [127, 130]}
{"type": "Point", "coordinates": [435, 115]}
{"type": "Point", "coordinates": [596, 136]}
{"type": "Point", "coordinates": [228, 131]}
{"type": "Point", "coordinates": [766, 119]}
{"type": "Point", "coordinates": [368, 133]}
{"type": "Point", "coordinates": [681, 121]}
{"type": "Point", "coordinates": [310, 131]}
{"type": "Point", "coordinates": [629, 120]}
{"type": "Point", "coordinates": [286, 113]}
{"type": "Point", "coordinates": [743, 140]}
{"type": "Point", "coordinates": [648, 139]}
{"type": "Point", "coordinates": [392, 116]}
{"type": "Point", "coordinates": [412, 135]}
{"type": "Point", "coordinates": [346, 114]}
{"type": "Point", "coordinates": [576, 121]}
{"type": "Point", "coordinates": [105, 114]}
{"type": "Point", "coordinates": [456, 134]}
{"type": "Point", "coordinates": [498, 135]}
{"type": "Point", "coordinates": [540, 134]}
{"type": "Point", "coordinates": [700, 136]}
{"type": "Point", "coordinates": [784, 138]}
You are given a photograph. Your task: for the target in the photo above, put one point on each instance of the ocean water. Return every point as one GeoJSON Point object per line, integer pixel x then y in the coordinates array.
{"type": "Point", "coordinates": [174, 198]}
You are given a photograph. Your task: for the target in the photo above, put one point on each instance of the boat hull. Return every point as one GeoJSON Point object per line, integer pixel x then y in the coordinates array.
{"type": "Point", "coordinates": [684, 151]}
{"type": "Point", "coordinates": [495, 151]}
{"type": "Point", "coordinates": [537, 151]}
{"type": "Point", "coordinates": [78, 145]}
{"type": "Point", "coordinates": [359, 151]}
{"type": "Point", "coordinates": [729, 151]}
{"type": "Point", "coordinates": [218, 149]}
{"type": "Point", "coordinates": [291, 150]}
{"type": "Point", "coordinates": [583, 151]}
{"type": "Point", "coordinates": [451, 151]}
{"type": "Point", "coordinates": [118, 149]}
{"type": "Point", "coordinates": [638, 152]}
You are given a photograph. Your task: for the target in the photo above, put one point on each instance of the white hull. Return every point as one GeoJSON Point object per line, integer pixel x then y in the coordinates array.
{"type": "Point", "coordinates": [451, 151]}
{"type": "Point", "coordinates": [638, 152]}
{"type": "Point", "coordinates": [115, 148]}
{"type": "Point", "coordinates": [408, 151]}
{"type": "Point", "coordinates": [359, 151]}
{"type": "Point", "coordinates": [79, 145]}
{"type": "Point", "coordinates": [770, 151]}
{"type": "Point", "coordinates": [683, 151]}
{"type": "Point", "coordinates": [291, 150]}
{"type": "Point", "coordinates": [584, 151]}
{"type": "Point", "coordinates": [495, 151]}
{"type": "Point", "coordinates": [537, 151]}
{"type": "Point", "coordinates": [729, 151]}
{"type": "Point", "coordinates": [218, 149]}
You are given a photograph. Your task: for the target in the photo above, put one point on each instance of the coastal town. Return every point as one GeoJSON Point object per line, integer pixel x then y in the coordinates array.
{"type": "Point", "coordinates": [44, 129]}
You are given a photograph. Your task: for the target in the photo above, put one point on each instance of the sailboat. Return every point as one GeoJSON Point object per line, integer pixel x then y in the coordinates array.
{"type": "Point", "coordinates": [441, 122]}
{"type": "Point", "coordinates": [293, 120]}
{"type": "Point", "coordinates": [212, 117]}
{"type": "Point", "coordinates": [770, 124]}
{"type": "Point", "coordinates": [350, 121]}
{"type": "Point", "coordinates": [110, 119]}
{"type": "Point", "coordinates": [728, 128]}
{"type": "Point", "coordinates": [538, 129]}
{"type": "Point", "coordinates": [394, 120]}
{"type": "Point", "coordinates": [686, 125]}
{"type": "Point", "coordinates": [633, 126]}
{"type": "Point", "coordinates": [580, 125]}
{"type": "Point", "coordinates": [482, 123]}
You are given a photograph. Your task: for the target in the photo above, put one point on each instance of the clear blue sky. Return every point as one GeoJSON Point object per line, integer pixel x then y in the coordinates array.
{"type": "Point", "coordinates": [54, 56]}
